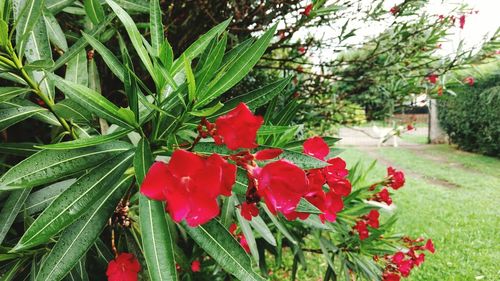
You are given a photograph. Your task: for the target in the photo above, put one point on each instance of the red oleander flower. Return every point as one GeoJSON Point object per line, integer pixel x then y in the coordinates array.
{"type": "Point", "coordinates": [390, 276]}
{"type": "Point", "coordinates": [372, 219]}
{"type": "Point", "coordinates": [190, 185]}
{"type": "Point", "coordinates": [409, 127]}
{"type": "Point", "coordinates": [429, 246]}
{"type": "Point", "coordinates": [244, 243]}
{"type": "Point", "coordinates": [405, 267]}
{"type": "Point", "coordinates": [307, 10]}
{"type": "Point", "coordinates": [398, 258]}
{"type": "Point", "coordinates": [248, 211]}
{"type": "Point", "coordinates": [384, 196]}
{"type": "Point", "coordinates": [281, 184]}
{"type": "Point", "coordinates": [238, 128]}
{"type": "Point", "coordinates": [301, 49]}
{"type": "Point", "coordinates": [195, 266]}
{"type": "Point", "coordinates": [396, 178]}
{"type": "Point", "coordinates": [316, 147]}
{"type": "Point", "coordinates": [333, 205]}
{"type": "Point", "coordinates": [361, 228]}
{"type": "Point", "coordinates": [124, 268]}
{"type": "Point", "coordinates": [340, 186]}
{"type": "Point", "coordinates": [432, 78]}
{"type": "Point", "coordinates": [267, 154]}
{"type": "Point", "coordinates": [232, 229]}
{"type": "Point", "coordinates": [394, 10]}
{"type": "Point", "coordinates": [462, 21]}
{"type": "Point", "coordinates": [336, 175]}
{"type": "Point", "coordinates": [469, 80]}
{"type": "Point", "coordinates": [419, 259]}
{"type": "Point", "coordinates": [337, 168]}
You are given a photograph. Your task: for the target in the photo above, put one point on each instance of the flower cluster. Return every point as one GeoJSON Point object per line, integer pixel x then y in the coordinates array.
{"type": "Point", "coordinates": [369, 220]}
{"type": "Point", "coordinates": [190, 184]}
{"type": "Point", "coordinates": [124, 267]}
{"type": "Point", "coordinates": [401, 263]}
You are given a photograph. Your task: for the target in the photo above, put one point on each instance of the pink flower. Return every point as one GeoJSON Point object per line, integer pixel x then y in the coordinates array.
{"type": "Point", "coordinates": [238, 128]}
{"type": "Point", "coordinates": [195, 266]}
{"type": "Point", "coordinates": [281, 184]}
{"type": "Point", "coordinates": [190, 185]}
{"type": "Point", "coordinates": [316, 147]}
{"type": "Point", "coordinates": [396, 178]}
{"type": "Point", "coordinates": [248, 211]}
{"type": "Point", "coordinates": [462, 21]}
{"type": "Point", "coordinates": [124, 268]}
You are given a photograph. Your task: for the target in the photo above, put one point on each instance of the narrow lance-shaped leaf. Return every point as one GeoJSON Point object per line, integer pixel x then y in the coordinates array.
{"type": "Point", "coordinates": [76, 69]}
{"type": "Point", "coordinates": [190, 79]}
{"type": "Point", "coordinates": [40, 199]}
{"type": "Point", "coordinates": [135, 36]}
{"type": "Point", "coordinates": [156, 234]}
{"type": "Point", "coordinates": [94, 11]}
{"type": "Point", "coordinates": [75, 201]}
{"type": "Point", "coordinates": [80, 236]}
{"type": "Point", "coordinates": [7, 93]}
{"type": "Point", "coordinates": [130, 83]}
{"type": "Point", "coordinates": [239, 69]}
{"type": "Point", "coordinates": [156, 26]}
{"type": "Point", "coordinates": [48, 166]}
{"type": "Point", "coordinates": [222, 247]}
{"type": "Point", "coordinates": [26, 14]}
{"type": "Point", "coordinates": [93, 101]}
{"type": "Point", "coordinates": [11, 116]}
{"type": "Point", "coordinates": [79, 143]}
{"type": "Point", "coordinates": [54, 30]}
{"type": "Point", "coordinates": [247, 232]}
{"type": "Point", "coordinates": [10, 210]}
{"type": "Point", "coordinates": [109, 58]}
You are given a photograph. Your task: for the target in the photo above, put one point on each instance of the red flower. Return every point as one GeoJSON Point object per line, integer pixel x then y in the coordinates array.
{"type": "Point", "coordinates": [333, 205]}
{"type": "Point", "coordinates": [372, 218]}
{"type": "Point", "coordinates": [394, 10]}
{"type": "Point", "coordinates": [307, 10]}
{"type": "Point", "coordinates": [190, 185]}
{"type": "Point", "coordinates": [469, 80]}
{"type": "Point", "coordinates": [409, 127]}
{"type": "Point", "coordinates": [316, 147]}
{"type": "Point", "coordinates": [281, 184]}
{"type": "Point", "coordinates": [429, 246]}
{"type": "Point", "coordinates": [195, 266]}
{"type": "Point", "coordinates": [398, 257]}
{"type": "Point", "coordinates": [244, 243]}
{"type": "Point", "coordinates": [267, 154]}
{"type": "Point", "coordinates": [361, 228]}
{"type": "Point", "coordinates": [432, 78]}
{"type": "Point", "coordinates": [384, 196]}
{"type": "Point", "coordinates": [419, 260]}
{"type": "Point", "coordinates": [390, 276]}
{"type": "Point", "coordinates": [248, 211]}
{"type": "Point", "coordinates": [405, 267]}
{"type": "Point", "coordinates": [301, 49]}
{"type": "Point", "coordinates": [397, 178]}
{"type": "Point", "coordinates": [232, 229]}
{"type": "Point", "coordinates": [335, 176]}
{"type": "Point", "coordinates": [462, 21]}
{"type": "Point", "coordinates": [238, 128]}
{"type": "Point", "coordinates": [124, 268]}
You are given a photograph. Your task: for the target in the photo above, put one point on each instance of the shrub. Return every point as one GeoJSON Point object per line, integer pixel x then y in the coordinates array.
{"type": "Point", "coordinates": [472, 117]}
{"type": "Point", "coordinates": [161, 180]}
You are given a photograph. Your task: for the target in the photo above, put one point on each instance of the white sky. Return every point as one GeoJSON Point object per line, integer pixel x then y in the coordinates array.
{"type": "Point", "coordinates": [477, 26]}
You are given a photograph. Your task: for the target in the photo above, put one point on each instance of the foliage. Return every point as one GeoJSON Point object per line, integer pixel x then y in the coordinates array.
{"type": "Point", "coordinates": [75, 154]}
{"type": "Point", "coordinates": [469, 114]}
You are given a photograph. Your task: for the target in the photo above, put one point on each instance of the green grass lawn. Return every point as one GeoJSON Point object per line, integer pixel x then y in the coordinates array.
{"type": "Point", "coordinates": [453, 197]}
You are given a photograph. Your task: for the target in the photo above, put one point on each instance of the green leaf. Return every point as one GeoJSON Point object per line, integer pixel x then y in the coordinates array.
{"type": "Point", "coordinates": [81, 43]}
{"type": "Point", "coordinates": [156, 27]}
{"type": "Point", "coordinates": [207, 111]}
{"type": "Point", "coordinates": [210, 65]}
{"type": "Point", "coordinates": [4, 32]}
{"type": "Point", "coordinates": [48, 166]}
{"type": "Point", "coordinates": [54, 30]}
{"type": "Point", "coordinates": [10, 210]}
{"type": "Point", "coordinates": [18, 148]}
{"type": "Point", "coordinates": [55, 6]}
{"type": "Point", "coordinates": [256, 98]}
{"type": "Point", "coordinates": [93, 101]}
{"type": "Point", "coordinates": [7, 93]}
{"type": "Point", "coordinates": [40, 199]}
{"type": "Point", "coordinates": [94, 11]}
{"type": "Point", "coordinates": [261, 227]}
{"type": "Point", "coordinates": [135, 36]}
{"type": "Point", "coordinates": [199, 45]}
{"type": "Point", "coordinates": [27, 14]}
{"type": "Point", "coordinates": [136, 6]}
{"type": "Point", "coordinates": [11, 116]}
{"type": "Point", "coordinates": [222, 247]}
{"type": "Point", "coordinates": [247, 232]}
{"type": "Point", "coordinates": [109, 58]}
{"type": "Point", "coordinates": [70, 110]}
{"type": "Point", "coordinates": [130, 83]}
{"type": "Point", "coordinates": [239, 69]}
{"type": "Point", "coordinates": [305, 206]}
{"type": "Point", "coordinates": [190, 79]}
{"type": "Point", "coordinates": [77, 238]}
{"type": "Point", "coordinates": [156, 233]}
{"type": "Point", "coordinates": [39, 65]}
{"type": "Point", "coordinates": [86, 142]}
{"type": "Point", "coordinates": [75, 201]}
{"type": "Point", "coordinates": [76, 69]}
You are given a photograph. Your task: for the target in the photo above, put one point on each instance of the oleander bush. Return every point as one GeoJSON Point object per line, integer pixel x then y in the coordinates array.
{"type": "Point", "coordinates": [167, 178]}
{"type": "Point", "coordinates": [471, 117]}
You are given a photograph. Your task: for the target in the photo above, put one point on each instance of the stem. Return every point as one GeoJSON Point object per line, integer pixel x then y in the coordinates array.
{"type": "Point", "coordinates": [49, 102]}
